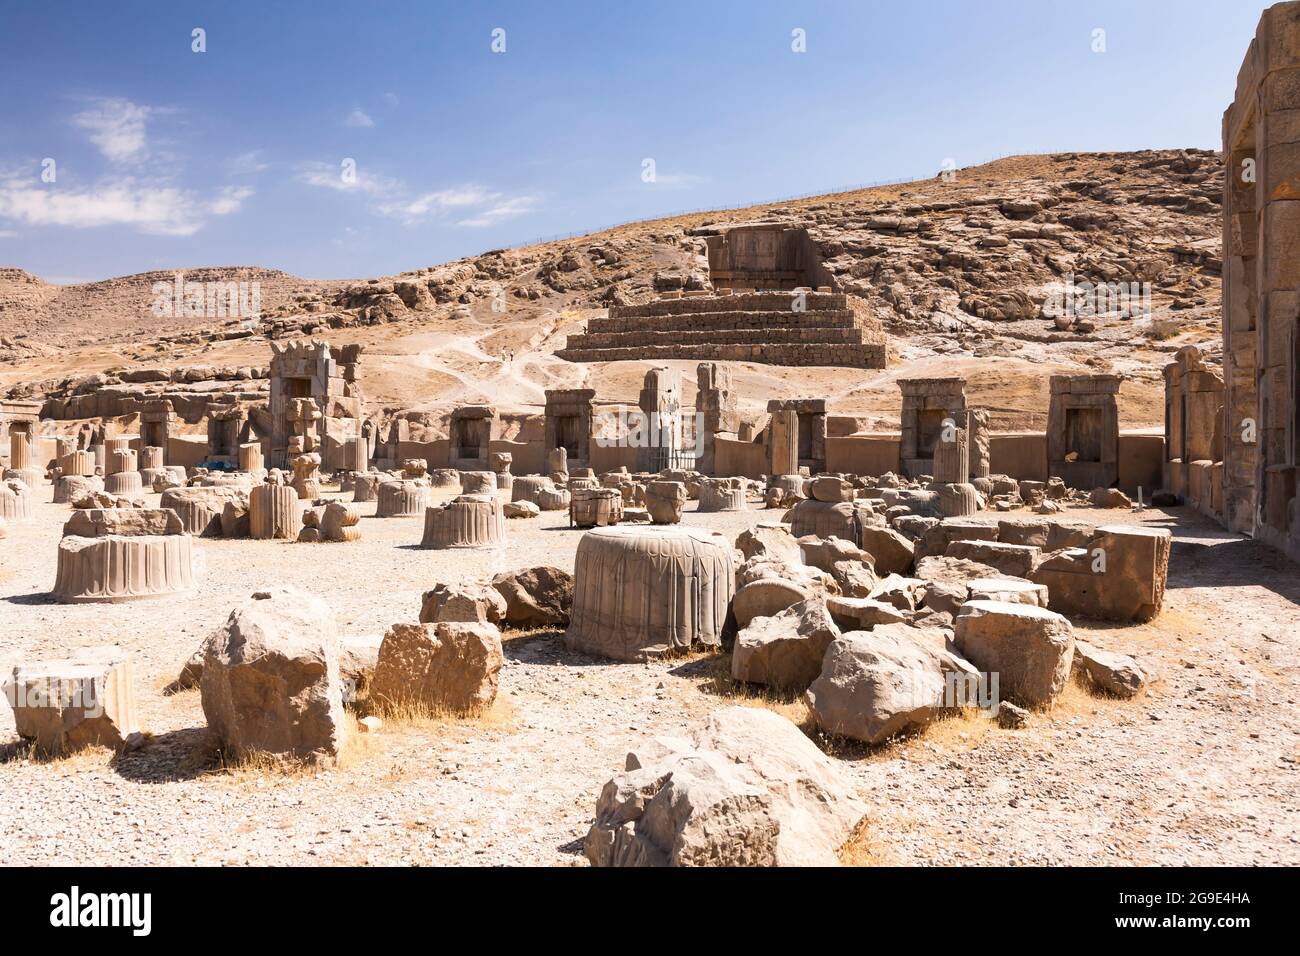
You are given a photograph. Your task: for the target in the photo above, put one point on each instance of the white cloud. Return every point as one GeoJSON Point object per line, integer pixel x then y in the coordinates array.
{"type": "Point", "coordinates": [502, 210]}
{"type": "Point", "coordinates": [330, 176]}
{"type": "Point", "coordinates": [248, 164]}
{"type": "Point", "coordinates": [153, 208]}
{"type": "Point", "coordinates": [117, 127]}
{"type": "Point", "coordinates": [358, 117]}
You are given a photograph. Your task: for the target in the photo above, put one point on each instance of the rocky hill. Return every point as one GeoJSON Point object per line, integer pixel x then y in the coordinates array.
{"type": "Point", "coordinates": [959, 270]}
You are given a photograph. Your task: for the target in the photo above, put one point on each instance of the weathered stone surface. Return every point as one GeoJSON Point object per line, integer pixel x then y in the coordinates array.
{"type": "Point", "coordinates": [665, 500]}
{"type": "Point", "coordinates": [1030, 648]}
{"type": "Point", "coordinates": [84, 700]}
{"type": "Point", "coordinates": [1119, 575]}
{"type": "Point", "coordinates": [115, 567]}
{"type": "Point", "coordinates": [199, 509]}
{"type": "Point", "coordinates": [465, 603]}
{"type": "Point", "coordinates": [1109, 498]}
{"type": "Point", "coordinates": [862, 613]}
{"type": "Point", "coordinates": [785, 650]}
{"type": "Point", "coordinates": [1008, 590]}
{"type": "Point", "coordinates": [478, 483]}
{"type": "Point", "coordinates": [831, 489]}
{"type": "Point", "coordinates": [645, 591]}
{"type": "Point", "coordinates": [520, 509]}
{"type": "Point", "coordinates": [1116, 674]}
{"type": "Point", "coordinates": [467, 521]}
{"type": "Point", "coordinates": [769, 540]}
{"type": "Point", "coordinates": [748, 790]}
{"type": "Point", "coordinates": [947, 579]}
{"type": "Point", "coordinates": [447, 667]}
{"type": "Point", "coordinates": [875, 684]}
{"type": "Point", "coordinates": [274, 512]}
{"type": "Point", "coordinates": [271, 679]}
{"type": "Point", "coordinates": [935, 540]}
{"type": "Point", "coordinates": [404, 499]}
{"type": "Point", "coordinates": [765, 597]}
{"type": "Point", "coordinates": [536, 597]}
{"type": "Point", "coordinates": [892, 553]}
{"type": "Point", "coordinates": [1016, 560]}
{"type": "Point", "coordinates": [101, 522]}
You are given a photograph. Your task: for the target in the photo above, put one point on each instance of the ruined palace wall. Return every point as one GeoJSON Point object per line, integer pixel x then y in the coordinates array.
{"type": "Point", "coordinates": [739, 459]}
{"type": "Point", "coordinates": [863, 454]}
{"type": "Point", "coordinates": [1141, 462]}
{"type": "Point", "coordinates": [1022, 455]}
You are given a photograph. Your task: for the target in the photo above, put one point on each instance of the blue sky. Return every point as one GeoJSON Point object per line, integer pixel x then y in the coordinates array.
{"type": "Point", "coordinates": [164, 157]}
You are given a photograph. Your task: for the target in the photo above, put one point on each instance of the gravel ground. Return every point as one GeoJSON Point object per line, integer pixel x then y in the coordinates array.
{"type": "Point", "coordinates": [1203, 769]}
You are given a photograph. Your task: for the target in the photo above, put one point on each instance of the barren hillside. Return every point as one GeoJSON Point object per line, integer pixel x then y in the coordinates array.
{"type": "Point", "coordinates": [957, 270]}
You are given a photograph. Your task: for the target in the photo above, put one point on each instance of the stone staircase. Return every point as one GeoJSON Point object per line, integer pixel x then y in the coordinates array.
{"type": "Point", "coordinates": [763, 327]}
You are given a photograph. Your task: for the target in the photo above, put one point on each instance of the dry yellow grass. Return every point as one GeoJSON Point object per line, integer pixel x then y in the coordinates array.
{"type": "Point", "coordinates": [250, 765]}
{"type": "Point", "coordinates": [863, 848]}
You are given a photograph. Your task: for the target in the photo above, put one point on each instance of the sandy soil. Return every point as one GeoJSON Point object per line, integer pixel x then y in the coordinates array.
{"type": "Point", "coordinates": [1203, 769]}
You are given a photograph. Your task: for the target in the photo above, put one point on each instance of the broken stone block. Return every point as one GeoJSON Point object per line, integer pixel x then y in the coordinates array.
{"type": "Point", "coordinates": [404, 499]}
{"type": "Point", "coordinates": [877, 684]}
{"type": "Point", "coordinates": [536, 597]}
{"type": "Point", "coordinates": [862, 614]}
{"type": "Point", "coordinates": [447, 667]}
{"type": "Point", "coordinates": [520, 509]}
{"type": "Point", "coordinates": [1030, 648]}
{"type": "Point", "coordinates": [891, 552]}
{"type": "Point", "coordinates": [749, 789]}
{"type": "Point", "coordinates": [665, 500]}
{"type": "Point", "coordinates": [271, 680]}
{"type": "Point", "coordinates": [1009, 591]}
{"type": "Point", "coordinates": [769, 540]}
{"type": "Point", "coordinates": [467, 603]}
{"type": "Point", "coordinates": [785, 650]}
{"type": "Point", "coordinates": [1119, 575]}
{"type": "Point", "coordinates": [1016, 560]}
{"type": "Point", "coordinates": [84, 700]}
{"type": "Point", "coordinates": [1116, 674]}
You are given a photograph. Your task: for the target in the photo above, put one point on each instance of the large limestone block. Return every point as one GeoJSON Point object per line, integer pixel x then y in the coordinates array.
{"type": "Point", "coordinates": [832, 489]}
{"type": "Point", "coordinates": [467, 521]}
{"type": "Point", "coordinates": [200, 508]}
{"type": "Point", "coordinates": [402, 499]}
{"type": "Point", "coordinates": [767, 596]}
{"type": "Point", "coordinates": [447, 667]}
{"type": "Point", "coordinates": [1119, 575]}
{"type": "Point", "coordinates": [478, 483]}
{"type": "Point", "coordinates": [845, 519]}
{"type": "Point", "coordinates": [97, 522]}
{"type": "Point", "coordinates": [536, 597]}
{"type": "Point", "coordinates": [462, 603]}
{"type": "Point", "coordinates": [722, 494]}
{"type": "Point", "coordinates": [861, 613]}
{"type": "Point", "coordinates": [365, 487]}
{"type": "Point", "coordinates": [935, 539]}
{"type": "Point", "coordinates": [770, 540]}
{"type": "Point", "coordinates": [1030, 648]}
{"type": "Point", "coordinates": [645, 591]}
{"type": "Point", "coordinates": [118, 567]}
{"type": "Point", "coordinates": [85, 700]}
{"type": "Point", "coordinates": [785, 650]}
{"type": "Point", "coordinates": [1009, 591]}
{"type": "Point", "coordinates": [1016, 560]}
{"type": "Point", "coordinates": [274, 512]}
{"type": "Point", "coordinates": [554, 499]}
{"type": "Point", "coordinates": [70, 487]}
{"type": "Point", "coordinates": [665, 500]}
{"type": "Point", "coordinates": [271, 680]}
{"type": "Point", "coordinates": [876, 684]}
{"type": "Point", "coordinates": [749, 789]}
{"type": "Point", "coordinates": [1116, 674]}
{"type": "Point", "coordinates": [891, 552]}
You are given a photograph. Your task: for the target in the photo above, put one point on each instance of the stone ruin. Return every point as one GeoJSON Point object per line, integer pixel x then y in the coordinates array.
{"type": "Point", "coordinates": [778, 328]}
{"type": "Point", "coordinates": [570, 416]}
{"type": "Point", "coordinates": [1083, 430]}
{"type": "Point", "coordinates": [660, 402]}
{"type": "Point", "coordinates": [472, 429]}
{"type": "Point", "coordinates": [764, 256]}
{"type": "Point", "coordinates": [717, 411]}
{"type": "Point", "coordinates": [123, 554]}
{"type": "Point", "coordinates": [927, 404]}
{"type": "Point", "coordinates": [1261, 287]}
{"type": "Point", "coordinates": [315, 403]}
{"type": "Point", "coordinates": [810, 432]}
{"type": "Point", "coordinates": [19, 433]}
{"type": "Point", "coordinates": [1194, 397]}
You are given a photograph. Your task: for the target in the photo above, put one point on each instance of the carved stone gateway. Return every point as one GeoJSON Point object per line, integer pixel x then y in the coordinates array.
{"type": "Point", "coordinates": [315, 402]}
{"type": "Point", "coordinates": [810, 414]}
{"type": "Point", "coordinates": [1083, 430]}
{"type": "Point", "coordinates": [927, 404]}
{"type": "Point", "coordinates": [1193, 467]}
{"type": "Point", "coordinates": [472, 429]}
{"type": "Point", "coordinates": [1261, 286]}
{"type": "Point", "coordinates": [719, 416]}
{"type": "Point", "coordinates": [569, 414]}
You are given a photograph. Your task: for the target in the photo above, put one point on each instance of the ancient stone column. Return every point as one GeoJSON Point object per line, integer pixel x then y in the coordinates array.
{"type": "Point", "coordinates": [784, 438]}
{"type": "Point", "coordinates": [250, 457]}
{"type": "Point", "coordinates": [20, 451]}
{"type": "Point", "coordinates": [274, 512]}
{"type": "Point", "coordinates": [722, 494]}
{"type": "Point", "coordinates": [468, 521]}
{"type": "Point", "coordinates": [402, 499]}
{"type": "Point", "coordinates": [978, 441]}
{"type": "Point", "coordinates": [123, 476]}
{"type": "Point", "coordinates": [951, 456]}
{"type": "Point", "coordinates": [151, 457]}
{"type": "Point", "coordinates": [306, 479]}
